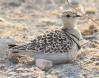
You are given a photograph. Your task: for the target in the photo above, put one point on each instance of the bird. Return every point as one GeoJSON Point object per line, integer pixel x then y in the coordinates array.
{"type": "Point", "coordinates": [58, 46]}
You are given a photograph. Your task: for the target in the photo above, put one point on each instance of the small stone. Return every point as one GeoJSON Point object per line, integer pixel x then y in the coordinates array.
{"type": "Point", "coordinates": [44, 64]}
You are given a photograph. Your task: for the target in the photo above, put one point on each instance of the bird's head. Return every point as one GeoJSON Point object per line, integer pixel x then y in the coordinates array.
{"type": "Point", "coordinates": [70, 18]}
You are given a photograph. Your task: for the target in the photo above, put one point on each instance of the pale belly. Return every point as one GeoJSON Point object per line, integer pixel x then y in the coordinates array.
{"type": "Point", "coordinates": [58, 58]}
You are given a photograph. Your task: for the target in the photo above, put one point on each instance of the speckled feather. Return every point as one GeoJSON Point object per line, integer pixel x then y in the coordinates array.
{"type": "Point", "coordinates": [56, 41]}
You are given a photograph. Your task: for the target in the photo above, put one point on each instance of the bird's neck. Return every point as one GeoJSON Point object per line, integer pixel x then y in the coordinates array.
{"type": "Point", "coordinates": [69, 25]}
{"type": "Point", "coordinates": [73, 30]}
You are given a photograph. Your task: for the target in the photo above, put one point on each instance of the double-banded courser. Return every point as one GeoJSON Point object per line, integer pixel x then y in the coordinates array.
{"type": "Point", "coordinates": [58, 46]}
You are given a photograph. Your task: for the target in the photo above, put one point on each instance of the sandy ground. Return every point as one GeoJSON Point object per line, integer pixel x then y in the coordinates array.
{"type": "Point", "coordinates": [23, 20]}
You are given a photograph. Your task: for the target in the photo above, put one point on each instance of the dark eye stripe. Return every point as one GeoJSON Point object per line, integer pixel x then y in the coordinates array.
{"type": "Point", "coordinates": [68, 16]}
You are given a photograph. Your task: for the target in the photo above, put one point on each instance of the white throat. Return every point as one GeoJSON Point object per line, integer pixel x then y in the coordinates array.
{"type": "Point", "coordinates": [72, 28]}
{"type": "Point", "coordinates": [69, 25]}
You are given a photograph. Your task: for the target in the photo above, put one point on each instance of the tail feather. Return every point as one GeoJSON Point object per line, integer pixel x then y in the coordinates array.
{"type": "Point", "coordinates": [22, 47]}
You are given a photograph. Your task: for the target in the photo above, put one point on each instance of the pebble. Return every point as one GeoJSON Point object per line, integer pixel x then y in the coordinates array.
{"type": "Point", "coordinates": [43, 64]}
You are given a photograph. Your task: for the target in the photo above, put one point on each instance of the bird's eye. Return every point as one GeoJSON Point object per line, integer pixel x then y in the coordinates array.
{"type": "Point", "coordinates": [68, 16]}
